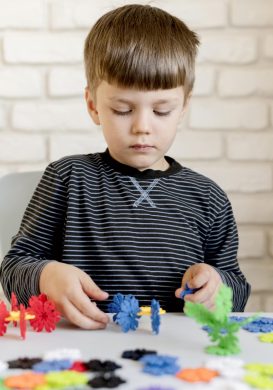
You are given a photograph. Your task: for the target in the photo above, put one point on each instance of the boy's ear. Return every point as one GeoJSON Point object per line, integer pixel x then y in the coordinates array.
{"type": "Point", "coordinates": [91, 106]}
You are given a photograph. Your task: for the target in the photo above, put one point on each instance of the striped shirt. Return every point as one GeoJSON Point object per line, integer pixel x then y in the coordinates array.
{"type": "Point", "coordinates": [131, 231]}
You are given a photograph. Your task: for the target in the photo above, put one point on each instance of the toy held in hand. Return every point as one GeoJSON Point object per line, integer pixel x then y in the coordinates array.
{"type": "Point", "coordinates": [187, 291]}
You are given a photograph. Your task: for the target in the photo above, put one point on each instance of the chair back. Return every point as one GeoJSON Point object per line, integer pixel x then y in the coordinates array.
{"type": "Point", "coordinates": [16, 190]}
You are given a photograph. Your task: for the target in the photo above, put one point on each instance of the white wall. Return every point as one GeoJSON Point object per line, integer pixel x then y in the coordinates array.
{"type": "Point", "coordinates": [227, 134]}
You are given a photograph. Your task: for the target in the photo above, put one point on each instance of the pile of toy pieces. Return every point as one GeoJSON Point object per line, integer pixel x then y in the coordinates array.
{"type": "Point", "coordinates": [65, 369]}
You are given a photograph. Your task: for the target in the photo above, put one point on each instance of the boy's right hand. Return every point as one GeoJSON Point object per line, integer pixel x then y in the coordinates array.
{"type": "Point", "coordinates": [70, 288]}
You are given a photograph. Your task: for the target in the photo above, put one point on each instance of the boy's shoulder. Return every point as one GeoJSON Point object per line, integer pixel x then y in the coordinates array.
{"type": "Point", "coordinates": [76, 160]}
{"type": "Point", "coordinates": [72, 165]}
{"type": "Point", "coordinates": [201, 183]}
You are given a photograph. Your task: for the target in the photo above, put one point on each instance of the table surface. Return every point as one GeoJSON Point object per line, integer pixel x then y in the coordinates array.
{"type": "Point", "coordinates": [179, 336]}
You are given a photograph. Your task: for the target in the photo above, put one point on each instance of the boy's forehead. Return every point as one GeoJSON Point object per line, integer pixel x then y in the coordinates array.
{"type": "Point", "coordinates": [115, 93]}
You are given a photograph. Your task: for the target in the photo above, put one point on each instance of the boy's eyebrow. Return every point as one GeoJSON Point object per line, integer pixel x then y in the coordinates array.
{"type": "Point", "coordinates": [160, 101]}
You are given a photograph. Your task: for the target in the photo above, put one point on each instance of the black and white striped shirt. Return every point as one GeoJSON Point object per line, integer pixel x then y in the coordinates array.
{"type": "Point", "coordinates": [132, 232]}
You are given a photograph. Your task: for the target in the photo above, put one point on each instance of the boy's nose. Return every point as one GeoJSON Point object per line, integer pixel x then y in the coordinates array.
{"type": "Point", "coordinates": [141, 125]}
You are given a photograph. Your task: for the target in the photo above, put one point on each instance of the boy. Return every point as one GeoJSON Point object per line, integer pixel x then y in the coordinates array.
{"type": "Point", "coordinates": [131, 219]}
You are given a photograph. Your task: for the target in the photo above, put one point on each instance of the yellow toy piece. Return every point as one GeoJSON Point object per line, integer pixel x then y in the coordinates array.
{"type": "Point", "coordinates": [15, 316]}
{"type": "Point", "coordinates": [266, 337]}
{"type": "Point", "coordinates": [146, 311]}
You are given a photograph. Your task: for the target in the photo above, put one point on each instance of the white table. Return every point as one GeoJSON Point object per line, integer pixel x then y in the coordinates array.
{"type": "Point", "coordinates": [179, 336]}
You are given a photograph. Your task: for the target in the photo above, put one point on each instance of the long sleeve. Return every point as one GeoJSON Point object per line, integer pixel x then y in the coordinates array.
{"type": "Point", "coordinates": [221, 252]}
{"type": "Point", "coordinates": [38, 239]}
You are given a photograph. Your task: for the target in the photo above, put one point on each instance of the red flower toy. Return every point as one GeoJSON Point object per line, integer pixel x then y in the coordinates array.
{"type": "Point", "coordinates": [41, 313]}
{"type": "Point", "coordinates": [46, 315]}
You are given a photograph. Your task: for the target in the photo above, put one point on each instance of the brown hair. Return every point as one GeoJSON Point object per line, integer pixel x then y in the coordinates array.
{"type": "Point", "coordinates": [141, 47]}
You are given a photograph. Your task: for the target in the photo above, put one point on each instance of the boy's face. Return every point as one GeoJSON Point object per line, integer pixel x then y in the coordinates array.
{"type": "Point", "coordinates": [139, 126]}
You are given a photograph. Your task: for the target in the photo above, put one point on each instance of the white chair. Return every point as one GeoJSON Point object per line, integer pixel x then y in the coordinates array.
{"type": "Point", "coordinates": [16, 190]}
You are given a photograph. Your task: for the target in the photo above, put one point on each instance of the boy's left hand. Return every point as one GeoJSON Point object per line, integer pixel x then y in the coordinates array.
{"type": "Point", "coordinates": [206, 279]}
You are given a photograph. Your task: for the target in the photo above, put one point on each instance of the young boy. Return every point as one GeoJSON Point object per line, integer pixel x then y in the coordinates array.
{"type": "Point", "coordinates": [131, 219]}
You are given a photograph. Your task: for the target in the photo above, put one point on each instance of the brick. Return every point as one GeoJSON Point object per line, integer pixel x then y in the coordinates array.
{"type": "Point", "coordinates": [22, 148]}
{"type": "Point", "coordinates": [271, 243]}
{"type": "Point", "coordinates": [2, 118]}
{"type": "Point", "coordinates": [82, 14]}
{"type": "Point", "coordinates": [237, 177]}
{"type": "Point", "coordinates": [259, 276]}
{"type": "Point", "coordinates": [250, 146]}
{"type": "Point", "coordinates": [20, 14]}
{"type": "Point", "coordinates": [245, 82]}
{"type": "Point", "coordinates": [252, 208]}
{"type": "Point", "coordinates": [252, 244]}
{"type": "Point", "coordinates": [195, 13]}
{"type": "Point", "coordinates": [254, 304]}
{"type": "Point", "coordinates": [268, 46]}
{"type": "Point", "coordinates": [78, 14]}
{"type": "Point", "coordinates": [64, 145]}
{"type": "Point", "coordinates": [53, 116]}
{"type": "Point", "coordinates": [43, 47]}
{"type": "Point", "coordinates": [257, 13]}
{"type": "Point", "coordinates": [66, 82]}
{"type": "Point", "coordinates": [269, 303]}
{"type": "Point", "coordinates": [204, 81]}
{"type": "Point", "coordinates": [207, 114]}
{"type": "Point", "coordinates": [190, 145]}
{"type": "Point", "coordinates": [232, 48]}
{"type": "Point", "coordinates": [20, 82]}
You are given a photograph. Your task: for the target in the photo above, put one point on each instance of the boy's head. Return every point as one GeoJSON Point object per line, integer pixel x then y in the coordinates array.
{"type": "Point", "coordinates": [139, 63]}
{"type": "Point", "coordinates": [140, 47]}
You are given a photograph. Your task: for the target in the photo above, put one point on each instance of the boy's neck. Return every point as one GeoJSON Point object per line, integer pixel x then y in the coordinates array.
{"type": "Point", "coordinates": [169, 167]}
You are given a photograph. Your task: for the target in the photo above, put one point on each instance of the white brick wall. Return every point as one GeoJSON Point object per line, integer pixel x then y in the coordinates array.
{"type": "Point", "coordinates": [43, 47]}
{"type": "Point", "coordinates": [236, 115]}
{"type": "Point", "coordinates": [51, 116]}
{"type": "Point", "coordinates": [2, 117]}
{"type": "Point", "coordinates": [259, 13]}
{"type": "Point", "coordinates": [268, 46]}
{"type": "Point", "coordinates": [29, 14]}
{"type": "Point", "coordinates": [66, 81]}
{"type": "Point", "coordinates": [245, 82]}
{"type": "Point", "coordinates": [20, 83]}
{"type": "Point", "coordinates": [227, 133]}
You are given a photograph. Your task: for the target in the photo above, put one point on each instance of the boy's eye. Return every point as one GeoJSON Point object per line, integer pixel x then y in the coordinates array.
{"type": "Point", "coordinates": [121, 112]}
{"type": "Point", "coordinates": [159, 113]}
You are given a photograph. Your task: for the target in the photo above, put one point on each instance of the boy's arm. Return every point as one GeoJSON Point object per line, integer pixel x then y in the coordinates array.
{"type": "Point", "coordinates": [39, 238]}
{"type": "Point", "coordinates": [221, 253]}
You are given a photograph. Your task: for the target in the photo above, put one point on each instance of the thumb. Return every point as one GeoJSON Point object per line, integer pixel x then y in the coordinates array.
{"type": "Point", "coordinates": [179, 290]}
{"type": "Point", "coordinates": [91, 289]}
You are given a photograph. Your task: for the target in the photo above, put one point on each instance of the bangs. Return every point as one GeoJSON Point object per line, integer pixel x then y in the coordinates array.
{"type": "Point", "coordinates": [143, 66]}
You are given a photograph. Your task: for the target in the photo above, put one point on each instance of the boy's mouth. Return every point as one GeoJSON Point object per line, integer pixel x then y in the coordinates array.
{"type": "Point", "coordinates": [142, 147]}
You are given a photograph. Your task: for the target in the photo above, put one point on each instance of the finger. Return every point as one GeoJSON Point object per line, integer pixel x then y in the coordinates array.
{"type": "Point", "coordinates": [199, 296]}
{"type": "Point", "coordinates": [205, 295]}
{"type": "Point", "coordinates": [79, 319]}
{"type": "Point", "coordinates": [178, 292]}
{"type": "Point", "coordinates": [82, 302]}
{"type": "Point", "coordinates": [91, 289]}
{"type": "Point", "coordinates": [199, 279]}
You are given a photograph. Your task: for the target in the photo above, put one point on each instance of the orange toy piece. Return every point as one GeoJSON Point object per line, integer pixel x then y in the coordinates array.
{"type": "Point", "coordinates": [201, 374]}
{"type": "Point", "coordinates": [29, 380]}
